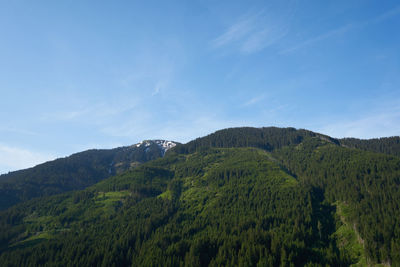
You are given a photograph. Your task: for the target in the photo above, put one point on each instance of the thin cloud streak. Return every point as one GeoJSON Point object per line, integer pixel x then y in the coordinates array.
{"type": "Point", "coordinates": [252, 33]}
{"type": "Point", "coordinates": [341, 30]}
{"type": "Point", "coordinates": [262, 39]}
{"type": "Point", "coordinates": [188, 127]}
{"type": "Point", "coordinates": [64, 115]}
{"type": "Point", "coordinates": [93, 114]}
{"type": "Point", "coordinates": [387, 15]}
{"type": "Point", "coordinates": [235, 32]}
{"type": "Point", "coordinates": [159, 85]}
{"type": "Point", "coordinates": [319, 38]}
{"type": "Point", "coordinates": [380, 125]}
{"type": "Point", "coordinates": [18, 131]}
{"type": "Point", "coordinates": [253, 101]}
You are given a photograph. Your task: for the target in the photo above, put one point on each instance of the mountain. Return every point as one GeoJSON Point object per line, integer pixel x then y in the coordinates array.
{"type": "Point", "coordinates": [267, 138]}
{"type": "Point", "coordinates": [271, 138]}
{"type": "Point", "coordinates": [237, 197]}
{"type": "Point", "coordinates": [77, 171]}
{"type": "Point", "coordinates": [387, 145]}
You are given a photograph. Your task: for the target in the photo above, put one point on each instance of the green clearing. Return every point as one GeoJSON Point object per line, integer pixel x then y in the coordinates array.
{"type": "Point", "coordinates": [348, 239]}
{"type": "Point", "coordinates": [166, 195]}
{"type": "Point", "coordinates": [109, 198]}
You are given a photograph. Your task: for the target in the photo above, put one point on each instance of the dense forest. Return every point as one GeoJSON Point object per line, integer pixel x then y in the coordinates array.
{"type": "Point", "coordinates": [387, 145]}
{"type": "Point", "coordinates": [367, 182]}
{"type": "Point", "coordinates": [238, 197]}
{"type": "Point", "coordinates": [75, 172]}
{"type": "Point", "coordinates": [267, 138]}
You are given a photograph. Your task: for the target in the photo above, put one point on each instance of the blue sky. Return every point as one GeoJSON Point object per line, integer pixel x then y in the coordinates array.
{"type": "Point", "coordinates": [76, 75]}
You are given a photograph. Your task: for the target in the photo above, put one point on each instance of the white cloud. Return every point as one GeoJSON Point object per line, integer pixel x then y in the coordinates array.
{"type": "Point", "coordinates": [93, 113]}
{"type": "Point", "coordinates": [17, 130]}
{"type": "Point", "coordinates": [64, 115]}
{"type": "Point", "coordinates": [235, 32]}
{"type": "Point", "coordinates": [14, 158]}
{"type": "Point", "coordinates": [389, 14]}
{"type": "Point", "coordinates": [136, 127]}
{"type": "Point", "coordinates": [191, 124]}
{"type": "Point", "coordinates": [159, 85]}
{"type": "Point", "coordinates": [252, 33]}
{"type": "Point", "coordinates": [318, 38]}
{"type": "Point", "coordinates": [198, 126]}
{"type": "Point", "coordinates": [253, 100]}
{"type": "Point", "coordinates": [152, 65]}
{"type": "Point", "coordinates": [341, 30]}
{"type": "Point", "coordinates": [382, 124]}
{"type": "Point", "coordinates": [261, 39]}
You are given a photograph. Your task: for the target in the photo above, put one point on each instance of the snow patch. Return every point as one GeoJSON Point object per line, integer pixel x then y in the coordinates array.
{"type": "Point", "coordinates": [164, 145]}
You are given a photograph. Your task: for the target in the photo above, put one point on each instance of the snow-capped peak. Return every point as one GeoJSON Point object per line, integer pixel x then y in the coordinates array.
{"type": "Point", "coordinates": [163, 144]}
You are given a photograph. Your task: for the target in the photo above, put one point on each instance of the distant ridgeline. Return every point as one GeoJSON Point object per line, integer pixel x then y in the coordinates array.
{"type": "Point", "coordinates": [76, 172]}
{"type": "Point", "coordinates": [268, 138]}
{"type": "Point", "coordinates": [387, 145]}
{"type": "Point", "coordinates": [237, 197]}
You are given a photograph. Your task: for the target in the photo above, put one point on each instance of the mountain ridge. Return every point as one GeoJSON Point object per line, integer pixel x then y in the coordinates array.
{"type": "Point", "coordinates": [238, 197]}
{"type": "Point", "coordinates": [76, 171]}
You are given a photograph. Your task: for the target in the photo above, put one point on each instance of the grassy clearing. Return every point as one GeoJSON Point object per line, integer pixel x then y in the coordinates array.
{"type": "Point", "coordinates": [41, 235]}
{"type": "Point", "coordinates": [33, 239]}
{"type": "Point", "coordinates": [349, 241]}
{"type": "Point", "coordinates": [107, 202]}
{"type": "Point", "coordinates": [109, 197]}
{"type": "Point", "coordinates": [166, 195]}
{"type": "Point", "coordinates": [46, 227]}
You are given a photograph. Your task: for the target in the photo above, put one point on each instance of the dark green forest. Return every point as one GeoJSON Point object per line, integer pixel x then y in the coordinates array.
{"type": "Point", "coordinates": [238, 197]}
{"type": "Point", "coordinates": [387, 145]}
{"type": "Point", "coordinates": [75, 172]}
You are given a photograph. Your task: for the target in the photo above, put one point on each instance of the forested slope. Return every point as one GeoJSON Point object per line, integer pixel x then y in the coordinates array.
{"type": "Point", "coordinates": [242, 196]}
{"type": "Point", "coordinates": [72, 173]}
{"type": "Point", "coordinates": [217, 207]}
{"type": "Point", "coordinates": [267, 138]}
{"type": "Point", "coordinates": [271, 138]}
{"type": "Point", "coordinates": [368, 183]}
{"type": "Point", "coordinates": [387, 145]}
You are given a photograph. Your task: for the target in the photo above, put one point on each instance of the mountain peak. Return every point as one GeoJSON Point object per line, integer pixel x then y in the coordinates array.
{"type": "Point", "coordinates": [164, 145]}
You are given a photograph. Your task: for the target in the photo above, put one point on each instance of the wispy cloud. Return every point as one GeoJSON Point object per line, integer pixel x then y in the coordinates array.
{"type": "Point", "coordinates": [252, 33]}
{"type": "Point", "coordinates": [341, 30]}
{"type": "Point", "coordinates": [14, 158]}
{"type": "Point", "coordinates": [64, 115]}
{"type": "Point", "coordinates": [200, 125]}
{"type": "Point", "coordinates": [191, 123]}
{"type": "Point", "coordinates": [92, 113]}
{"type": "Point", "coordinates": [387, 15]}
{"type": "Point", "coordinates": [261, 39]}
{"type": "Point", "coordinates": [152, 69]}
{"type": "Point", "coordinates": [17, 131]}
{"type": "Point", "coordinates": [236, 31]}
{"type": "Point", "coordinates": [381, 123]}
{"type": "Point", "coordinates": [253, 101]}
{"type": "Point", "coordinates": [159, 85]}
{"type": "Point", "coordinates": [318, 38]}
